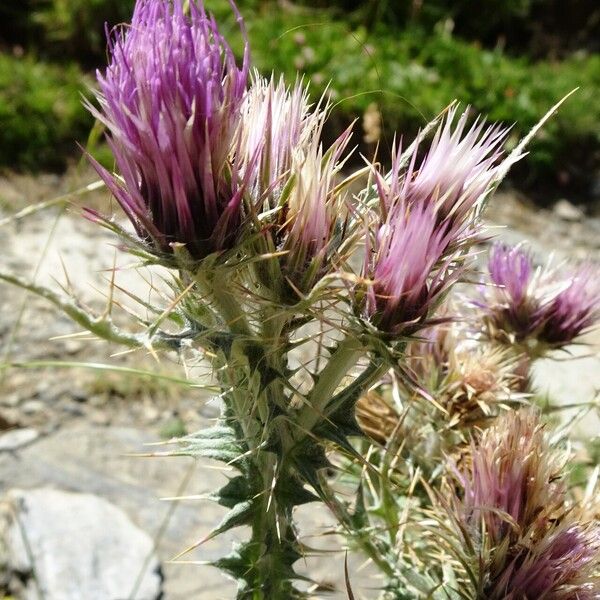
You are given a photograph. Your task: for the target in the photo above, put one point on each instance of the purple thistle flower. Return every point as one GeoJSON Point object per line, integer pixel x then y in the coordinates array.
{"type": "Point", "coordinates": [512, 270]}
{"type": "Point", "coordinates": [512, 273]}
{"type": "Point", "coordinates": [559, 566]}
{"type": "Point", "coordinates": [514, 478]}
{"type": "Point", "coordinates": [541, 308]}
{"type": "Point", "coordinates": [408, 268]}
{"type": "Point", "coordinates": [429, 219]}
{"type": "Point", "coordinates": [527, 541]}
{"type": "Point", "coordinates": [171, 99]}
{"type": "Point", "coordinates": [572, 309]}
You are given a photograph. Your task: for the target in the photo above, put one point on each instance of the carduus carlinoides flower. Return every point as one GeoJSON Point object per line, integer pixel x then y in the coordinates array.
{"type": "Point", "coordinates": [170, 100]}
{"type": "Point", "coordinates": [539, 308]}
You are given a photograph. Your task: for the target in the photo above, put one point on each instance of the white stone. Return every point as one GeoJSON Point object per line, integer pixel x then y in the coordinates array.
{"type": "Point", "coordinates": [17, 438]}
{"type": "Point", "coordinates": [567, 211]}
{"type": "Point", "coordinates": [80, 547]}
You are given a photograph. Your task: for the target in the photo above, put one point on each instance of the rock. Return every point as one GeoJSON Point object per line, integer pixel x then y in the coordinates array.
{"type": "Point", "coordinates": [17, 438]}
{"type": "Point", "coordinates": [566, 211]}
{"type": "Point", "coordinates": [11, 400]}
{"type": "Point", "coordinates": [99, 417]}
{"type": "Point", "coordinates": [97, 460]}
{"type": "Point", "coordinates": [78, 546]}
{"type": "Point", "coordinates": [32, 407]}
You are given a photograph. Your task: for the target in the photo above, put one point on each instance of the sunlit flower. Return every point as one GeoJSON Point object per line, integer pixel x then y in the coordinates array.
{"type": "Point", "coordinates": [429, 219]}
{"type": "Point", "coordinates": [527, 542]}
{"type": "Point", "coordinates": [408, 268]}
{"type": "Point", "coordinates": [456, 172]}
{"type": "Point", "coordinates": [170, 100]}
{"type": "Point", "coordinates": [278, 121]}
{"type": "Point", "coordinates": [514, 478]}
{"type": "Point", "coordinates": [561, 565]}
{"type": "Point", "coordinates": [571, 305]}
{"type": "Point", "coordinates": [538, 307]}
{"type": "Point", "coordinates": [292, 179]}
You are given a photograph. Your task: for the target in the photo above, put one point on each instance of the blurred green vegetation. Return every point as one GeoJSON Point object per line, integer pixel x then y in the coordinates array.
{"type": "Point", "coordinates": [41, 115]}
{"type": "Point", "coordinates": [411, 58]}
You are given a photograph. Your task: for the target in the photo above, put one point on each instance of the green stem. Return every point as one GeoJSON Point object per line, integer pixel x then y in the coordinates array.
{"type": "Point", "coordinates": [345, 356]}
{"type": "Point", "coordinates": [228, 307]}
{"type": "Point", "coordinates": [361, 536]}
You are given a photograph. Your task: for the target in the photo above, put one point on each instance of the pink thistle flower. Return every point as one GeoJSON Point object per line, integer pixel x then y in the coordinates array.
{"type": "Point", "coordinates": [292, 179]}
{"type": "Point", "coordinates": [572, 307]}
{"type": "Point", "coordinates": [170, 100]}
{"type": "Point", "coordinates": [313, 209]}
{"type": "Point", "coordinates": [277, 122]}
{"type": "Point", "coordinates": [408, 267]}
{"type": "Point", "coordinates": [514, 478]}
{"type": "Point", "coordinates": [457, 172]}
{"type": "Point", "coordinates": [429, 219]}
{"type": "Point", "coordinates": [560, 566]}
{"type": "Point", "coordinates": [512, 272]}
{"type": "Point", "coordinates": [528, 543]}
{"type": "Point", "coordinates": [540, 308]}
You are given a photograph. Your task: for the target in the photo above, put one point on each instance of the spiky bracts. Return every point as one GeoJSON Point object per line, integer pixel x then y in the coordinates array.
{"type": "Point", "coordinates": [538, 309]}
{"type": "Point", "coordinates": [453, 384]}
{"type": "Point", "coordinates": [171, 101]}
{"type": "Point", "coordinates": [521, 539]}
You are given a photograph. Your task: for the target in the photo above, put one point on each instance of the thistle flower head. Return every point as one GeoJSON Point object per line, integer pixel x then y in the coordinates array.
{"type": "Point", "coordinates": [456, 173]}
{"type": "Point", "coordinates": [429, 217]}
{"type": "Point", "coordinates": [531, 545]}
{"type": "Point", "coordinates": [292, 178]}
{"type": "Point", "coordinates": [467, 381]}
{"type": "Point", "coordinates": [408, 267]}
{"type": "Point", "coordinates": [571, 305]}
{"type": "Point", "coordinates": [540, 308]}
{"type": "Point", "coordinates": [514, 478]}
{"type": "Point", "coordinates": [561, 565]}
{"type": "Point", "coordinates": [511, 268]}
{"type": "Point", "coordinates": [277, 122]}
{"type": "Point", "coordinates": [314, 204]}
{"type": "Point", "coordinates": [170, 100]}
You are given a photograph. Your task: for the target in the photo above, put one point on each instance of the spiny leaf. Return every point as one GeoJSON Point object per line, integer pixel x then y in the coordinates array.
{"type": "Point", "coordinates": [235, 491]}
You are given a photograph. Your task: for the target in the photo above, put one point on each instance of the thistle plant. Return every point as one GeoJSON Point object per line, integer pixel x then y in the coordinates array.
{"type": "Point", "coordinates": [228, 184]}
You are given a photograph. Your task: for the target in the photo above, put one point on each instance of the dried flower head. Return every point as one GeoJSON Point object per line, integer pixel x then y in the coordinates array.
{"type": "Point", "coordinates": [538, 308]}
{"type": "Point", "coordinates": [170, 100]}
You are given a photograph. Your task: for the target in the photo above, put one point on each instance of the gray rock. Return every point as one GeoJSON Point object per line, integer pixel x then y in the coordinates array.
{"type": "Point", "coordinates": [73, 546]}
{"type": "Point", "coordinates": [17, 438]}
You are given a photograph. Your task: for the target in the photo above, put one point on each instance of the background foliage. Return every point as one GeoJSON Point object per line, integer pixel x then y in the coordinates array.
{"type": "Point", "coordinates": [410, 58]}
